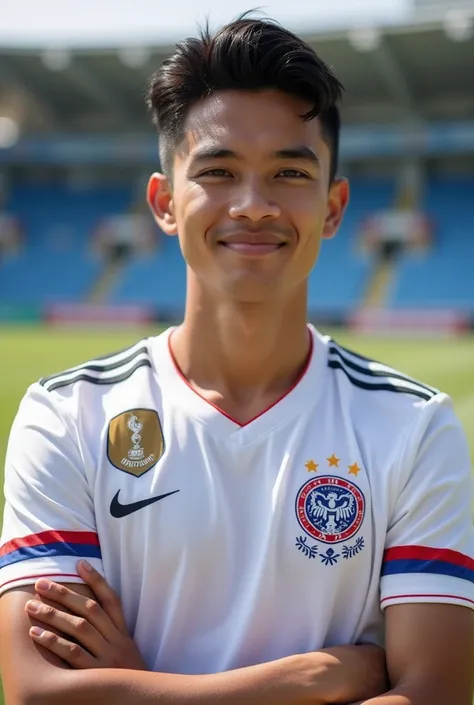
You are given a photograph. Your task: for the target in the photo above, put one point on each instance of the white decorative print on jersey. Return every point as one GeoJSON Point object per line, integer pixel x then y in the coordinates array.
{"type": "Point", "coordinates": [331, 510]}
{"type": "Point", "coordinates": [137, 452]}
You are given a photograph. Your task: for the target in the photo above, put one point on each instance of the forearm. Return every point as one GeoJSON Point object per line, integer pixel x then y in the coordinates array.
{"type": "Point", "coordinates": [336, 675]}
{"type": "Point", "coordinates": [289, 681]}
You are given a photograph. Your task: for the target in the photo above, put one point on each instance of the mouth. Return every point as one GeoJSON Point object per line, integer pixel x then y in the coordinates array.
{"type": "Point", "coordinates": [253, 248]}
{"type": "Point", "coordinates": [248, 243]}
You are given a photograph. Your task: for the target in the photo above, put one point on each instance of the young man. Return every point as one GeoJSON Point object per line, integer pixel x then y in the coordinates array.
{"type": "Point", "coordinates": [255, 494]}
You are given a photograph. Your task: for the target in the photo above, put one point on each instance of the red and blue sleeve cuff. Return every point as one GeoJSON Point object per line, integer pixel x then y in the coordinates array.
{"type": "Point", "coordinates": [422, 559]}
{"type": "Point", "coordinates": [47, 544]}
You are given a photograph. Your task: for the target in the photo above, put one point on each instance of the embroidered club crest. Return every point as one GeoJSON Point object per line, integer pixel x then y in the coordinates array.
{"type": "Point", "coordinates": [330, 509]}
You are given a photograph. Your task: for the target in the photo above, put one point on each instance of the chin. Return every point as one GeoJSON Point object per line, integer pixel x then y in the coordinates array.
{"type": "Point", "coordinates": [250, 291]}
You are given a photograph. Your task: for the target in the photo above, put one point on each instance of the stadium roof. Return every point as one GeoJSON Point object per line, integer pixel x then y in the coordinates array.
{"type": "Point", "coordinates": [108, 23]}
{"type": "Point", "coordinates": [414, 72]}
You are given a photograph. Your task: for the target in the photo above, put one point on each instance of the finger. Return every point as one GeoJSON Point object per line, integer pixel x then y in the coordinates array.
{"type": "Point", "coordinates": [55, 594]}
{"type": "Point", "coordinates": [46, 601]}
{"type": "Point", "coordinates": [73, 654]}
{"type": "Point", "coordinates": [68, 624]}
{"type": "Point", "coordinates": [107, 597]}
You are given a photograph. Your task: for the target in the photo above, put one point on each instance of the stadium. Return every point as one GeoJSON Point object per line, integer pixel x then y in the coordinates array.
{"type": "Point", "coordinates": [84, 269]}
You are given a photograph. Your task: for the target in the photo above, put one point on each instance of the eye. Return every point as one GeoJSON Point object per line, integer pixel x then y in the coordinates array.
{"type": "Point", "coordinates": [292, 174]}
{"type": "Point", "coordinates": [215, 172]}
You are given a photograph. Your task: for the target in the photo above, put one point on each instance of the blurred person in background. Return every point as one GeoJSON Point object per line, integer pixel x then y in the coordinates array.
{"type": "Point", "coordinates": [10, 232]}
{"type": "Point", "coordinates": [125, 235]}
{"type": "Point", "coordinates": [266, 516]}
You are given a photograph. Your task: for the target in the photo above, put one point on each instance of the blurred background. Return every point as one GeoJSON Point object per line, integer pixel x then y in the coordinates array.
{"type": "Point", "coordinates": [83, 268]}
{"type": "Point", "coordinates": [77, 146]}
{"type": "Point", "coordinates": [82, 265]}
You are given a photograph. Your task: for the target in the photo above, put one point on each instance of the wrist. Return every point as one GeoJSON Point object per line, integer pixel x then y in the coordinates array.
{"type": "Point", "coordinates": [326, 677]}
{"type": "Point", "coordinates": [352, 673]}
{"type": "Point", "coordinates": [314, 677]}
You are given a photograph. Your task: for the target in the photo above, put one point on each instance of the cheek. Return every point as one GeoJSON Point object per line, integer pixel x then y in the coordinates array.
{"type": "Point", "coordinates": [195, 216]}
{"type": "Point", "coordinates": [308, 212]}
{"type": "Point", "coordinates": [196, 208]}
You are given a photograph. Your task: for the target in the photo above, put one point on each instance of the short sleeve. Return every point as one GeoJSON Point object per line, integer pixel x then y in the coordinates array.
{"type": "Point", "coordinates": [49, 522]}
{"type": "Point", "coordinates": [430, 540]}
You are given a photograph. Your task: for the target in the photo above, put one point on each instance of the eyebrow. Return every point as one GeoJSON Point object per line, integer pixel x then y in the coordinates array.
{"type": "Point", "coordinates": [208, 153]}
{"type": "Point", "coordinates": [300, 153]}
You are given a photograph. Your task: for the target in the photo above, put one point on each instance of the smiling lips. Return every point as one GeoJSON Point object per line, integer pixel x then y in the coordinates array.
{"type": "Point", "coordinates": [248, 243]}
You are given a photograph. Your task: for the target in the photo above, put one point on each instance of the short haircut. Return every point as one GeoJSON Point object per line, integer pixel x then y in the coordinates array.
{"type": "Point", "coordinates": [249, 55]}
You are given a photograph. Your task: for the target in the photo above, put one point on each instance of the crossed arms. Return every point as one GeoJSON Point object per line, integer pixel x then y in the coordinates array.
{"type": "Point", "coordinates": [429, 648]}
{"type": "Point", "coordinates": [429, 653]}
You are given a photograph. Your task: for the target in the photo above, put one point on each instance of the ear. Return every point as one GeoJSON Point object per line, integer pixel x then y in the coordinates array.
{"type": "Point", "coordinates": [337, 203]}
{"type": "Point", "coordinates": [160, 200]}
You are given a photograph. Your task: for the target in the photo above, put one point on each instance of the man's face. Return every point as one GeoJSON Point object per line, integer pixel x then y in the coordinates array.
{"type": "Point", "coordinates": [250, 198]}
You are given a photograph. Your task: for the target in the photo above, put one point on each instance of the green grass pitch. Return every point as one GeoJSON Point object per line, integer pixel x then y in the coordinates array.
{"type": "Point", "coordinates": [26, 354]}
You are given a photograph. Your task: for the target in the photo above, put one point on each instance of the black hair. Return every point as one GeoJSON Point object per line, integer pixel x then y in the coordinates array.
{"type": "Point", "coordinates": [247, 54]}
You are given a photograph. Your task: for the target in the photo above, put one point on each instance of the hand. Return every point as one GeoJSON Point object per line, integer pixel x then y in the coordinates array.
{"type": "Point", "coordinates": [100, 637]}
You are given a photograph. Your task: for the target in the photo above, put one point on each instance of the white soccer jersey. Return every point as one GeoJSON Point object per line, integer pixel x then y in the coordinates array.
{"type": "Point", "coordinates": [234, 544]}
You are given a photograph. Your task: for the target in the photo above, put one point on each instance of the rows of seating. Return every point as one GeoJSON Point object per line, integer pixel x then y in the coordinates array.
{"type": "Point", "coordinates": [58, 264]}
{"type": "Point", "coordinates": [445, 276]}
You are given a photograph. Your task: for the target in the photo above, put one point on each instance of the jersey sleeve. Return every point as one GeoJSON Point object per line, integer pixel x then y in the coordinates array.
{"type": "Point", "coordinates": [49, 522]}
{"type": "Point", "coordinates": [429, 547]}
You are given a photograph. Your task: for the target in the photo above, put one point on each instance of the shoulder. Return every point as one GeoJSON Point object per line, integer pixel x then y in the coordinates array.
{"type": "Point", "coordinates": [52, 407]}
{"type": "Point", "coordinates": [381, 402]}
{"type": "Point", "coordinates": [92, 390]}
{"type": "Point", "coordinates": [87, 396]}
{"type": "Point", "coordinates": [371, 376]}
{"type": "Point", "coordinates": [397, 420]}
{"type": "Point", "coordinates": [110, 369]}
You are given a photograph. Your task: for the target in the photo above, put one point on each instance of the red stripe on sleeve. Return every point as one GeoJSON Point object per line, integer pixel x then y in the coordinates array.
{"type": "Point", "coordinates": [407, 597]}
{"type": "Point", "coordinates": [44, 575]}
{"type": "Point", "coordinates": [46, 537]}
{"type": "Point", "coordinates": [424, 553]}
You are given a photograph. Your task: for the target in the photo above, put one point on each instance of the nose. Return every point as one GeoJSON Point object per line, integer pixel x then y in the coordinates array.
{"type": "Point", "coordinates": [250, 201]}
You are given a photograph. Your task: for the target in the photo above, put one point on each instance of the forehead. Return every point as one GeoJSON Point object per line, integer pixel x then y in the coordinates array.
{"type": "Point", "coordinates": [251, 122]}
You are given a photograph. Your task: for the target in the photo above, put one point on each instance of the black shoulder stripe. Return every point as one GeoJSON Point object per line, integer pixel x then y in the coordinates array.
{"type": "Point", "coordinates": [381, 386]}
{"type": "Point", "coordinates": [337, 347]}
{"type": "Point", "coordinates": [82, 377]}
{"type": "Point", "coordinates": [378, 373]}
{"type": "Point", "coordinates": [351, 352]}
{"type": "Point", "coordinates": [90, 367]}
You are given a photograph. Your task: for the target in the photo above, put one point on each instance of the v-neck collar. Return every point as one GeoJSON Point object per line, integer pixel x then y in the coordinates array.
{"type": "Point", "coordinates": [187, 400]}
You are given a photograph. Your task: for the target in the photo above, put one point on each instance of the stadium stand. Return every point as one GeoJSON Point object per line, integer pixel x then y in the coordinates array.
{"type": "Point", "coordinates": [340, 278]}
{"type": "Point", "coordinates": [57, 263]}
{"type": "Point", "coordinates": [85, 143]}
{"type": "Point", "coordinates": [443, 277]}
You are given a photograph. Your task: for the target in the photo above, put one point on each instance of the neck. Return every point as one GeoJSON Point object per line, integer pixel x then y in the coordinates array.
{"type": "Point", "coordinates": [242, 350]}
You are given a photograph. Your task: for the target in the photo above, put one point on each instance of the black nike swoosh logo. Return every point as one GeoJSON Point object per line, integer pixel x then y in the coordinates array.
{"type": "Point", "coordinates": [122, 510]}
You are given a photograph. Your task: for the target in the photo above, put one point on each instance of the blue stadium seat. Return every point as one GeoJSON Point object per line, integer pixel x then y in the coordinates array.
{"type": "Point", "coordinates": [52, 277]}
{"type": "Point", "coordinates": [340, 277]}
{"type": "Point", "coordinates": [159, 280]}
{"type": "Point", "coordinates": [57, 264]}
{"type": "Point", "coordinates": [57, 222]}
{"type": "Point", "coordinates": [444, 276]}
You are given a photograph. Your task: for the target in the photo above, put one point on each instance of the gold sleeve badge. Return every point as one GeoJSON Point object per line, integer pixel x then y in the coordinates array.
{"type": "Point", "coordinates": [135, 441]}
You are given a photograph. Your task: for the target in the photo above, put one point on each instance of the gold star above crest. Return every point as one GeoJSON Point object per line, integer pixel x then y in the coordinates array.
{"type": "Point", "coordinates": [354, 469]}
{"type": "Point", "coordinates": [311, 466]}
{"type": "Point", "coordinates": [333, 461]}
